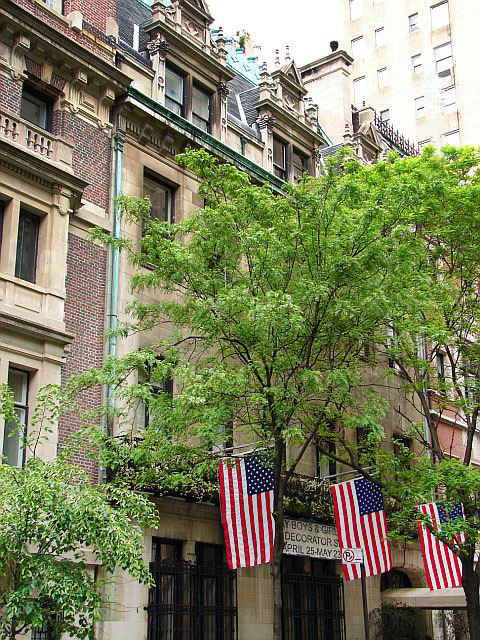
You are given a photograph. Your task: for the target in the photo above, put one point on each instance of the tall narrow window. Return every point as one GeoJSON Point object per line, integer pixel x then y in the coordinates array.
{"type": "Point", "coordinates": [55, 4]}
{"type": "Point", "coordinates": [215, 593]}
{"type": "Point", "coordinates": [326, 467]}
{"type": "Point", "coordinates": [27, 244]}
{"type": "Point", "coordinates": [382, 78]}
{"type": "Point", "coordinates": [146, 413]}
{"type": "Point", "coordinates": [449, 100]}
{"type": "Point", "coordinates": [380, 37]}
{"type": "Point", "coordinates": [300, 165]}
{"type": "Point", "coordinates": [440, 15]}
{"type": "Point", "coordinates": [413, 23]}
{"type": "Point", "coordinates": [420, 110]}
{"type": "Point", "coordinates": [161, 196]}
{"type": "Point", "coordinates": [358, 48]}
{"type": "Point", "coordinates": [201, 108]}
{"type": "Point", "coordinates": [13, 434]}
{"type": "Point", "coordinates": [174, 91]}
{"type": "Point", "coordinates": [417, 64]}
{"type": "Point", "coordinates": [444, 64]}
{"type": "Point", "coordinates": [280, 159]}
{"type": "Point", "coordinates": [356, 9]}
{"type": "Point", "coordinates": [360, 92]}
{"type": "Point", "coordinates": [36, 108]}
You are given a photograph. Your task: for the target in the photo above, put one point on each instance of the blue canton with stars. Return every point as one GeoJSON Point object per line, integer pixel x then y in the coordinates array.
{"type": "Point", "coordinates": [454, 512]}
{"type": "Point", "coordinates": [259, 476]}
{"type": "Point", "coordinates": [369, 497]}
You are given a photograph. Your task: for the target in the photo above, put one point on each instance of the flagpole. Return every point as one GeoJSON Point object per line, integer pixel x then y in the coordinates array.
{"type": "Point", "coordinates": [364, 599]}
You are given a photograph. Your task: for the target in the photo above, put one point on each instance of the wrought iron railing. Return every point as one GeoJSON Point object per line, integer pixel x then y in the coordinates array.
{"type": "Point", "coordinates": [192, 602]}
{"type": "Point", "coordinates": [395, 137]}
{"type": "Point", "coordinates": [313, 607]}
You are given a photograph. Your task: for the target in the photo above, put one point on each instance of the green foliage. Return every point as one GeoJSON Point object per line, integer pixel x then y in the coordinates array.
{"type": "Point", "coordinates": [53, 519]}
{"type": "Point", "coordinates": [391, 622]}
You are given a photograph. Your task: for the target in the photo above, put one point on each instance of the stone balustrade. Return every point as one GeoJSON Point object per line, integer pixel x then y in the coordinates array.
{"type": "Point", "coordinates": [29, 137]}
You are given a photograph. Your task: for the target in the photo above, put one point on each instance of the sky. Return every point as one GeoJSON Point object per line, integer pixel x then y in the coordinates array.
{"type": "Point", "coordinates": [307, 26]}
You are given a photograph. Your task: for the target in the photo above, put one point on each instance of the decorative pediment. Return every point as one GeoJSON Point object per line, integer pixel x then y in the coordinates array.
{"type": "Point", "coordinates": [196, 7]}
{"type": "Point", "coordinates": [291, 71]}
{"type": "Point", "coordinates": [289, 76]}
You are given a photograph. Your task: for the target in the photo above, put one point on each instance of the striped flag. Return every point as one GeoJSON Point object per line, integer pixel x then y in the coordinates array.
{"type": "Point", "coordinates": [361, 524]}
{"type": "Point", "coordinates": [246, 501]}
{"type": "Point", "coordinates": [442, 566]}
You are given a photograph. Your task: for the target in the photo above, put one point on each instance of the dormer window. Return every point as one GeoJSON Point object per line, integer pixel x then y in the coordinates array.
{"type": "Point", "coordinates": [174, 91]}
{"type": "Point", "coordinates": [201, 108]}
{"type": "Point", "coordinates": [280, 159]}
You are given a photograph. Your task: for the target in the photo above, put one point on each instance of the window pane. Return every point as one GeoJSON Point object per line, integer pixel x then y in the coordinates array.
{"type": "Point", "coordinates": [380, 37]}
{"type": "Point", "coordinates": [33, 109]}
{"type": "Point", "coordinates": [278, 153]}
{"type": "Point", "coordinates": [420, 107]}
{"type": "Point", "coordinates": [173, 90]}
{"type": "Point", "coordinates": [416, 64]}
{"type": "Point", "coordinates": [385, 115]}
{"type": "Point", "coordinates": [201, 103]}
{"type": "Point", "coordinates": [358, 49]}
{"type": "Point", "coordinates": [413, 23]}
{"type": "Point", "coordinates": [449, 98]}
{"type": "Point", "coordinates": [300, 165]}
{"type": "Point", "coordinates": [12, 438]}
{"type": "Point", "coordinates": [27, 241]}
{"type": "Point", "coordinates": [55, 4]}
{"type": "Point", "coordinates": [160, 197]}
{"type": "Point", "coordinates": [17, 381]}
{"type": "Point", "coordinates": [444, 51]}
{"type": "Point", "coordinates": [382, 78]}
{"type": "Point", "coordinates": [360, 92]}
{"type": "Point", "coordinates": [452, 138]}
{"type": "Point", "coordinates": [440, 15]}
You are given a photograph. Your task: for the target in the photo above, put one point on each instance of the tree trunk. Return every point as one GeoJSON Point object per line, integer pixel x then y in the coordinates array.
{"type": "Point", "coordinates": [278, 541]}
{"type": "Point", "coordinates": [470, 583]}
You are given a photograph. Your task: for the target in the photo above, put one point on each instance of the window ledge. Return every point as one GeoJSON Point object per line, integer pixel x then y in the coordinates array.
{"type": "Point", "coordinates": [32, 286]}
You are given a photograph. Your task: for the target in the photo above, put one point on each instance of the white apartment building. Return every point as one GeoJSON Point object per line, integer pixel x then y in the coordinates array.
{"type": "Point", "coordinates": [416, 64]}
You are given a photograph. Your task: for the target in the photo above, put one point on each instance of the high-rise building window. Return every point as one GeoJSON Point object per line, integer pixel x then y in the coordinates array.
{"type": "Point", "coordinates": [424, 143]}
{"type": "Point", "coordinates": [174, 91]}
{"type": "Point", "coordinates": [279, 159]}
{"type": "Point", "coordinates": [13, 434]}
{"type": "Point", "coordinates": [36, 108]}
{"type": "Point", "coordinates": [385, 116]}
{"type": "Point", "coordinates": [356, 9]}
{"type": "Point", "coordinates": [420, 110]}
{"type": "Point", "coordinates": [444, 64]}
{"type": "Point", "coordinates": [360, 92]}
{"type": "Point", "coordinates": [27, 244]}
{"type": "Point", "coordinates": [358, 48]}
{"type": "Point", "coordinates": [451, 138]}
{"type": "Point", "coordinates": [413, 23]}
{"type": "Point", "coordinates": [382, 78]}
{"type": "Point", "coordinates": [449, 99]}
{"type": "Point", "coordinates": [201, 108]}
{"type": "Point", "coordinates": [440, 15]}
{"type": "Point", "coordinates": [417, 64]}
{"type": "Point", "coordinates": [380, 37]}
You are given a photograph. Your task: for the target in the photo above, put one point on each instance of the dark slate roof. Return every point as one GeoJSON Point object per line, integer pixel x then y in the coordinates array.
{"type": "Point", "coordinates": [249, 99]}
{"type": "Point", "coordinates": [250, 130]}
{"type": "Point", "coordinates": [236, 86]}
{"type": "Point", "coordinates": [248, 93]}
{"type": "Point", "coordinates": [330, 150]}
{"type": "Point", "coordinates": [130, 12]}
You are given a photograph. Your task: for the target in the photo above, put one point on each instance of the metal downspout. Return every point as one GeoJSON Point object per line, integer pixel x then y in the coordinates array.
{"type": "Point", "coordinates": [119, 140]}
{"type": "Point", "coordinates": [426, 430]}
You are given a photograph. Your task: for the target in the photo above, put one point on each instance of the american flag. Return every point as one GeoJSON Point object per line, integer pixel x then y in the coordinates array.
{"type": "Point", "coordinates": [442, 566]}
{"type": "Point", "coordinates": [361, 524]}
{"type": "Point", "coordinates": [246, 500]}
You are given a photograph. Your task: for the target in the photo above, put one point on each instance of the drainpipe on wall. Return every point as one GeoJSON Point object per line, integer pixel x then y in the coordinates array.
{"type": "Point", "coordinates": [114, 275]}
{"type": "Point", "coordinates": [426, 430]}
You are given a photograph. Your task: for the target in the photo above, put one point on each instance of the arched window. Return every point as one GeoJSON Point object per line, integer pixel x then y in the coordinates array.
{"type": "Point", "coordinates": [395, 579]}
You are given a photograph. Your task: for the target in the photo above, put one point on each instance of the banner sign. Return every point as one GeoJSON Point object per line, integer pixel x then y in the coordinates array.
{"type": "Point", "coordinates": [310, 539]}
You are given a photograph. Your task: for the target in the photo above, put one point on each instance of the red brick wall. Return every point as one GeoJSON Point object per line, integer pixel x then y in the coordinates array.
{"type": "Point", "coordinates": [10, 94]}
{"type": "Point", "coordinates": [91, 155]}
{"type": "Point", "coordinates": [85, 318]}
{"type": "Point", "coordinates": [89, 9]}
{"type": "Point", "coordinates": [95, 12]}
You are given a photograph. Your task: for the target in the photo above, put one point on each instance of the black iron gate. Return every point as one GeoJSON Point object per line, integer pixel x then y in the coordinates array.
{"type": "Point", "coordinates": [313, 607]}
{"type": "Point", "coordinates": [192, 602]}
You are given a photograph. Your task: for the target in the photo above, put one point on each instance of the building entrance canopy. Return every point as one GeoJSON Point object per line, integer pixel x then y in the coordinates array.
{"type": "Point", "coordinates": [423, 598]}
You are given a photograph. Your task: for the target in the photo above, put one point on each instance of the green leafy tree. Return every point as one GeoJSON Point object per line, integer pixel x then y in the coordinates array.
{"type": "Point", "coordinates": [267, 303]}
{"type": "Point", "coordinates": [52, 517]}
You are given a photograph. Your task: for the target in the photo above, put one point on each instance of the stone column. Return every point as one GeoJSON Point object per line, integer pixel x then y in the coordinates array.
{"type": "Point", "coordinates": [158, 49]}
{"type": "Point", "coordinates": [265, 124]}
{"type": "Point", "coordinates": [222, 95]}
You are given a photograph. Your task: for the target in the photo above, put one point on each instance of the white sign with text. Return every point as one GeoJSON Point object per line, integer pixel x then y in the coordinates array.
{"type": "Point", "coordinates": [352, 556]}
{"type": "Point", "coordinates": [310, 539]}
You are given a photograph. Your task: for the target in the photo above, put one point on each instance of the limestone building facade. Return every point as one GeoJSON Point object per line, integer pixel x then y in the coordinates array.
{"type": "Point", "coordinates": [96, 99]}
{"type": "Point", "coordinates": [414, 62]}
